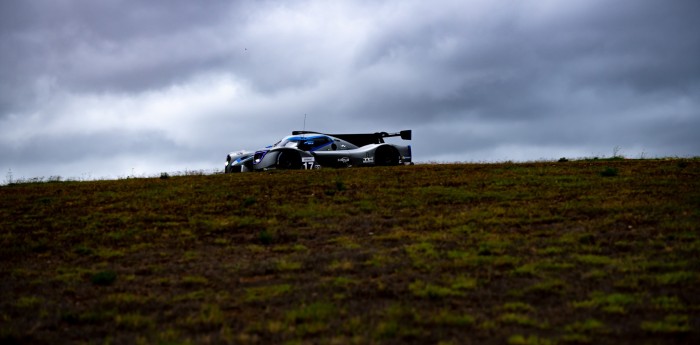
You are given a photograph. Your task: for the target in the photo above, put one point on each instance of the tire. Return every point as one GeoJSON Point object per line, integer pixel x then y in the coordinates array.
{"type": "Point", "coordinates": [385, 156]}
{"type": "Point", "coordinates": [288, 160]}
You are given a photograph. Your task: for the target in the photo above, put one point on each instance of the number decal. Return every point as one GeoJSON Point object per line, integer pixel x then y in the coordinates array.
{"type": "Point", "coordinates": [308, 162]}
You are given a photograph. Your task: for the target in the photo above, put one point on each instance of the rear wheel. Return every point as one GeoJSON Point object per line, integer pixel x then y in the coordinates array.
{"type": "Point", "coordinates": [288, 160]}
{"type": "Point", "coordinates": [386, 155]}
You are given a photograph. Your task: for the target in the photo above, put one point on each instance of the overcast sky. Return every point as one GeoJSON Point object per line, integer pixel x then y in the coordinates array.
{"type": "Point", "coordinates": [109, 88]}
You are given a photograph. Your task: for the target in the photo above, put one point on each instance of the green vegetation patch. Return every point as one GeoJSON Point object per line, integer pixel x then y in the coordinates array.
{"type": "Point", "coordinates": [670, 324]}
{"type": "Point", "coordinates": [424, 289]}
{"type": "Point", "coordinates": [586, 327]}
{"type": "Point", "coordinates": [675, 278]}
{"type": "Point", "coordinates": [610, 303]}
{"type": "Point", "coordinates": [312, 318]}
{"type": "Point", "coordinates": [265, 293]}
{"type": "Point", "coordinates": [521, 320]}
{"type": "Point", "coordinates": [134, 321]}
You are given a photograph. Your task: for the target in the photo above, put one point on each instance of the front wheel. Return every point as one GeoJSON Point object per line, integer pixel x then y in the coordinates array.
{"type": "Point", "coordinates": [289, 160]}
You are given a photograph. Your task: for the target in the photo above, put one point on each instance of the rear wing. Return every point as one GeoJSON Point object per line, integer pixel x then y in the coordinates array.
{"type": "Point", "coordinates": [364, 139]}
{"type": "Point", "coordinates": [405, 135]}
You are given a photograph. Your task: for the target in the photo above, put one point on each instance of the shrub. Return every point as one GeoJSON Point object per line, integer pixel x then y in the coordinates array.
{"type": "Point", "coordinates": [104, 278]}
{"type": "Point", "coordinates": [609, 172]}
{"type": "Point", "coordinates": [249, 201]}
{"type": "Point", "coordinates": [266, 237]}
{"type": "Point", "coordinates": [83, 250]}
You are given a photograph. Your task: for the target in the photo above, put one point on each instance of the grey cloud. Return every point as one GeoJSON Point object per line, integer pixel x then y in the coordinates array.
{"type": "Point", "coordinates": [108, 46]}
{"type": "Point", "coordinates": [470, 78]}
{"type": "Point", "coordinates": [57, 149]}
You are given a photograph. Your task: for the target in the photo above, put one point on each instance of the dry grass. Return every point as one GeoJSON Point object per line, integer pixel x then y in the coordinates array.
{"type": "Point", "coordinates": [529, 253]}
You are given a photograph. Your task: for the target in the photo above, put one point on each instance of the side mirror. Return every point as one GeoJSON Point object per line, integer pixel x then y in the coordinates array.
{"type": "Point", "coordinates": [406, 135]}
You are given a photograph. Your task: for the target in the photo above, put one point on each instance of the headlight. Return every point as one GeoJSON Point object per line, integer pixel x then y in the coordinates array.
{"type": "Point", "coordinates": [259, 155]}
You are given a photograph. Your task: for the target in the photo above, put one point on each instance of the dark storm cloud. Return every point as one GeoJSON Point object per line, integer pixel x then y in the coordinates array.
{"type": "Point", "coordinates": [476, 80]}
{"type": "Point", "coordinates": [106, 45]}
{"type": "Point", "coordinates": [516, 65]}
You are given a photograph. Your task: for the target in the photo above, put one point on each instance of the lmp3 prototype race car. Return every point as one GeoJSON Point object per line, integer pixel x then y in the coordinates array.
{"type": "Point", "coordinates": [313, 150]}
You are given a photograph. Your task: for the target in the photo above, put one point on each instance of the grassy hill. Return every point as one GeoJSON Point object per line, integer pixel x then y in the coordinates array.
{"type": "Point", "coordinates": [535, 253]}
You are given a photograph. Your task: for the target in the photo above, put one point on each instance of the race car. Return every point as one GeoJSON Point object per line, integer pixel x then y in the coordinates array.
{"type": "Point", "coordinates": [313, 150]}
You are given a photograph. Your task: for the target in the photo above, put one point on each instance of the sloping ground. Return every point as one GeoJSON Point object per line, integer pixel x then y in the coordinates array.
{"type": "Point", "coordinates": [540, 253]}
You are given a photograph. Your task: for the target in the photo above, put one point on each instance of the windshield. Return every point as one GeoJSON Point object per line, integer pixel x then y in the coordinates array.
{"type": "Point", "coordinates": [305, 143]}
